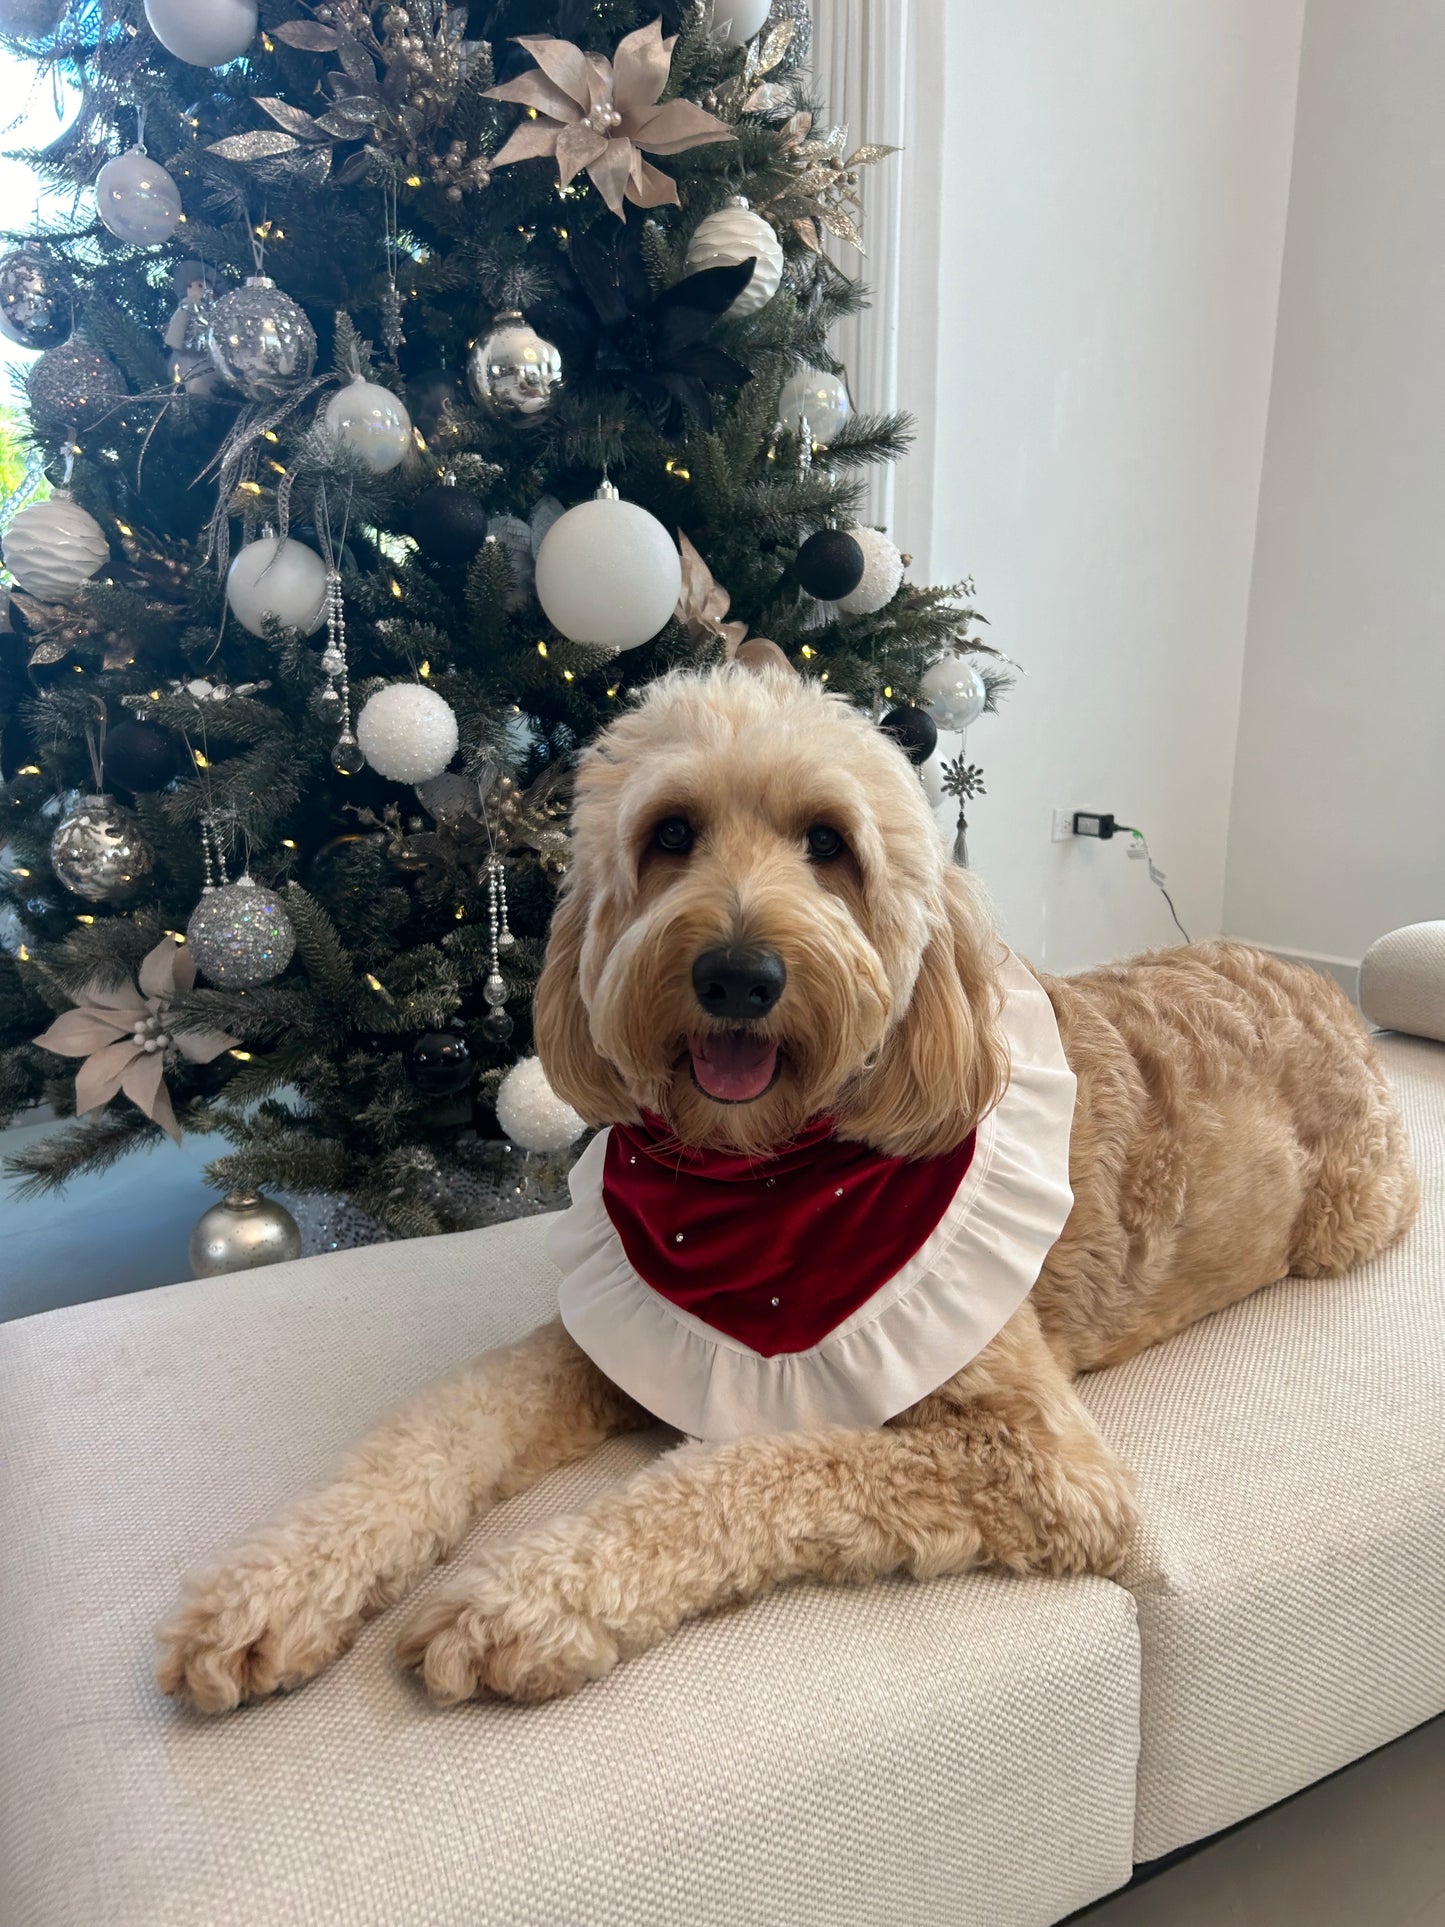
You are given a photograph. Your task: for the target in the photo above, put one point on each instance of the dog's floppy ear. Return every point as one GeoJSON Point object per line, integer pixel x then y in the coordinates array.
{"type": "Point", "coordinates": [575, 1068]}
{"type": "Point", "coordinates": [946, 1064]}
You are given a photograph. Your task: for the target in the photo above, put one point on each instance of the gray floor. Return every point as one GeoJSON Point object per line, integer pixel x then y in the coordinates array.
{"type": "Point", "coordinates": [123, 1230]}
{"type": "Point", "coordinates": [1363, 1849]}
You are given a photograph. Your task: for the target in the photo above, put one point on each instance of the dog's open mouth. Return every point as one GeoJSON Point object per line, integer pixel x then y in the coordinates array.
{"type": "Point", "coordinates": [733, 1066]}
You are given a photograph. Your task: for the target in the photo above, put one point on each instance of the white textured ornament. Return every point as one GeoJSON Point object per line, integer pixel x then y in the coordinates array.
{"type": "Point", "coordinates": [738, 20]}
{"type": "Point", "coordinates": [954, 693]}
{"type": "Point", "coordinates": [608, 573]}
{"type": "Point", "coordinates": [882, 573]}
{"type": "Point", "coordinates": [137, 200]}
{"type": "Point", "coordinates": [733, 234]}
{"type": "Point", "coordinates": [53, 548]}
{"type": "Point", "coordinates": [407, 732]}
{"type": "Point", "coordinates": [817, 397]}
{"type": "Point", "coordinates": [203, 33]}
{"type": "Point", "coordinates": [532, 1114]}
{"type": "Point", "coordinates": [372, 423]}
{"type": "Point", "coordinates": [240, 935]}
{"type": "Point", "coordinates": [286, 580]}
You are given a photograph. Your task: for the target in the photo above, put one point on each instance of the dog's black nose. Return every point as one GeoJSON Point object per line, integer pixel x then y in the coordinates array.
{"type": "Point", "coordinates": [738, 983]}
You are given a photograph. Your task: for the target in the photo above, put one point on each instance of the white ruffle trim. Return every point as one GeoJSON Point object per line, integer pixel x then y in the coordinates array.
{"type": "Point", "coordinates": [952, 1297]}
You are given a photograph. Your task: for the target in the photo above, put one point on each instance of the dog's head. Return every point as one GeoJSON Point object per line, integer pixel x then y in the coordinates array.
{"type": "Point", "coordinates": [760, 928]}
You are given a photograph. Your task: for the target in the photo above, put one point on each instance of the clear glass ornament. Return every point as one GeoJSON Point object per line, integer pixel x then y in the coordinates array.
{"type": "Point", "coordinates": [98, 850]}
{"type": "Point", "coordinates": [497, 1026]}
{"type": "Point", "coordinates": [261, 342]}
{"type": "Point", "coordinates": [346, 757]}
{"type": "Point", "coordinates": [372, 423]}
{"type": "Point", "coordinates": [326, 703]}
{"type": "Point", "coordinates": [818, 398]}
{"type": "Point", "coordinates": [954, 692]}
{"type": "Point", "coordinates": [494, 989]}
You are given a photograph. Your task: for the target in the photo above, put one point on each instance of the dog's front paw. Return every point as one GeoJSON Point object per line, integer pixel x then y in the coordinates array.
{"type": "Point", "coordinates": [502, 1628]}
{"type": "Point", "coordinates": [253, 1624]}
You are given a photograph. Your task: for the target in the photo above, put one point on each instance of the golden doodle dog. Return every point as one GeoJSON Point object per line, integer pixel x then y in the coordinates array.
{"type": "Point", "coordinates": [765, 974]}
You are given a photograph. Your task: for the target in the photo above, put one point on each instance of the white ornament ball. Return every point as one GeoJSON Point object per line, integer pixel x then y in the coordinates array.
{"type": "Point", "coordinates": [137, 199]}
{"type": "Point", "coordinates": [284, 579]}
{"type": "Point", "coordinates": [407, 732]}
{"type": "Point", "coordinates": [203, 33]}
{"type": "Point", "coordinates": [882, 573]}
{"type": "Point", "coordinates": [954, 693]}
{"type": "Point", "coordinates": [733, 234]}
{"type": "Point", "coordinates": [738, 20]}
{"type": "Point", "coordinates": [608, 573]}
{"type": "Point", "coordinates": [372, 423]}
{"type": "Point", "coordinates": [931, 777]}
{"type": "Point", "coordinates": [54, 547]}
{"type": "Point", "coordinates": [532, 1114]}
{"type": "Point", "coordinates": [820, 399]}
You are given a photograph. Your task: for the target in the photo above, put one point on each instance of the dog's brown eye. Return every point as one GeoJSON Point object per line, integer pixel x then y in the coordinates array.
{"type": "Point", "coordinates": [824, 841]}
{"type": "Point", "coordinates": [674, 835]}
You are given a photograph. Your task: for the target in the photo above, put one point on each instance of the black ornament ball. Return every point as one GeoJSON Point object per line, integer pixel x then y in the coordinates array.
{"type": "Point", "coordinates": [139, 756]}
{"type": "Point", "coordinates": [830, 564]}
{"type": "Point", "coordinates": [440, 1064]}
{"type": "Point", "coordinates": [449, 524]}
{"type": "Point", "coordinates": [914, 731]}
{"type": "Point", "coordinates": [431, 398]}
{"type": "Point", "coordinates": [25, 789]}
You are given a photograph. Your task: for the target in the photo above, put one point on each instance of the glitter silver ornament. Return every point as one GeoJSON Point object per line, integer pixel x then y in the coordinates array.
{"type": "Point", "coordinates": [261, 342]}
{"type": "Point", "coordinates": [98, 851]}
{"type": "Point", "coordinates": [240, 935]}
{"type": "Point", "coordinates": [241, 1232]}
{"type": "Point", "coordinates": [800, 46]}
{"type": "Point", "coordinates": [512, 370]}
{"type": "Point", "coordinates": [54, 547]}
{"type": "Point", "coordinates": [37, 299]}
{"type": "Point", "coordinates": [72, 386]}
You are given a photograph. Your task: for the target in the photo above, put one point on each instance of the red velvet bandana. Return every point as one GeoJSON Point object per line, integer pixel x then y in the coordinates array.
{"type": "Point", "coordinates": [774, 1252]}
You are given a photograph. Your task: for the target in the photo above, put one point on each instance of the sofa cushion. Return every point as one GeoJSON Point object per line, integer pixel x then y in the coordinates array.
{"type": "Point", "coordinates": [1402, 980]}
{"type": "Point", "coordinates": [1290, 1575]}
{"type": "Point", "coordinates": [960, 1751]}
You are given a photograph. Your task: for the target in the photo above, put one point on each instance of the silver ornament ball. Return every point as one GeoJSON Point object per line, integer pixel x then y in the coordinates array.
{"type": "Point", "coordinates": [512, 370]}
{"type": "Point", "coordinates": [261, 342]}
{"type": "Point", "coordinates": [72, 386]}
{"type": "Point", "coordinates": [98, 850]}
{"type": "Point", "coordinates": [243, 1231]}
{"type": "Point", "coordinates": [240, 935]}
{"type": "Point", "coordinates": [37, 299]}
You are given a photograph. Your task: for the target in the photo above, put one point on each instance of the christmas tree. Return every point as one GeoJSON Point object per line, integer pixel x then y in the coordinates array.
{"type": "Point", "coordinates": [417, 381]}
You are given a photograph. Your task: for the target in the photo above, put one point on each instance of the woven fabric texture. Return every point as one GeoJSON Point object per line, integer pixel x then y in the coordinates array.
{"type": "Point", "coordinates": [1402, 980]}
{"type": "Point", "coordinates": [957, 1752]}
{"type": "Point", "coordinates": [1290, 1575]}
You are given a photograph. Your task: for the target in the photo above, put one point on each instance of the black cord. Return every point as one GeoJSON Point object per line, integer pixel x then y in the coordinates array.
{"type": "Point", "coordinates": [1129, 830]}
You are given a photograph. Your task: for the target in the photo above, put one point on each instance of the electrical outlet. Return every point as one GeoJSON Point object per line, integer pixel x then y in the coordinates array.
{"type": "Point", "coordinates": [1063, 829]}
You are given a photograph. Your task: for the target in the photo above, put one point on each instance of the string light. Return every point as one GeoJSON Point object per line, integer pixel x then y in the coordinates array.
{"type": "Point", "coordinates": [287, 844]}
{"type": "Point", "coordinates": [241, 1056]}
{"type": "Point", "coordinates": [23, 954]}
{"type": "Point", "coordinates": [396, 589]}
{"type": "Point", "coordinates": [85, 919]}
{"type": "Point", "coordinates": [375, 982]}
{"type": "Point", "coordinates": [807, 652]}
{"type": "Point", "coordinates": [541, 648]}
{"type": "Point", "coordinates": [425, 670]}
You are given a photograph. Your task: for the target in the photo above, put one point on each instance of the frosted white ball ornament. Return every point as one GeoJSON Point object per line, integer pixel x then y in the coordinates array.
{"type": "Point", "coordinates": [734, 234]}
{"type": "Point", "coordinates": [734, 21]}
{"type": "Point", "coordinates": [284, 579]}
{"type": "Point", "coordinates": [372, 423]}
{"type": "Point", "coordinates": [532, 1114]}
{"type": "Point", "coordinates": [954, 693]}
{"type": "Point", "coordinates": [407, 732]}
{"type": "Point", "coordinates": [53, 548]}
{"type": "Point", "coordinates": [203, 33]}
{"type": "Point", "coordinates": [137, 200]}
{"type": "Point", "coordinates": [817, 397]}
{"type": "Point", "coordinates": [882, 574]}
{"type": "Point", "coordinates": [608, 573]}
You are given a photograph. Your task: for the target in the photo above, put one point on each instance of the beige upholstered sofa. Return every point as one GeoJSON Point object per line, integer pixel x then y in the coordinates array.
{"type": "Point", "coordinates": [977, 1750]}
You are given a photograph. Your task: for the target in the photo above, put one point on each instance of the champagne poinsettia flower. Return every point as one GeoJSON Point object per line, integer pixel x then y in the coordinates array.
{"type": "Point", "coordinates": [704, 602]}
{"type": "Point", "coordinates": [124, 1038]}
{"type": "Point", "coordinates": [599, 115]}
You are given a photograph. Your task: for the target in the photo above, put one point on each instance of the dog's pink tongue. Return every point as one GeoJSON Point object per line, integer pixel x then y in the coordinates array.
{"type": "Point", "coordinates": [733, 1065]}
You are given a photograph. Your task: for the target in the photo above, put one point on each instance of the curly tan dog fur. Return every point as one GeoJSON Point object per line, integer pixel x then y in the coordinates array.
{"type": "Point", "coordinates": [1231, 1125]}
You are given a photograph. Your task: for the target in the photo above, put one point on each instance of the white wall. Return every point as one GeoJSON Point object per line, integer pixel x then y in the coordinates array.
{"type": "Point", "coordinates": [1112, 177]}
{"type": "Point", "coordinates": [1339, 796]}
